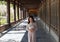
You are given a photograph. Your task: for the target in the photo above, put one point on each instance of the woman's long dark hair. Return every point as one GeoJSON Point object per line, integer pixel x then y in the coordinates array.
{"type": "Point", "coordinates": [29, 19]}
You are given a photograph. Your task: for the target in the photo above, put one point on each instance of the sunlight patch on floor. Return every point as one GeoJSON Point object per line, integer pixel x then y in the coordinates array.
{"type": "Point", "coordinates": [13, 35]}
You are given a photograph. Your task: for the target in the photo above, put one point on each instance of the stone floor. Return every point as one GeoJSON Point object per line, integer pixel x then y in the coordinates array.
{"type": "Point", "coordinates": [19, 34]}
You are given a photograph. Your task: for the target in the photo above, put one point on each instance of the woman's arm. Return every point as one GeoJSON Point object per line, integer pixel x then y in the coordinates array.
{"type": "Point", "coordinates": [27, 28]}
{"type": "Point", "coordinates": [35, 26]}
{"type": "Point", "coordinates": [32, 30]}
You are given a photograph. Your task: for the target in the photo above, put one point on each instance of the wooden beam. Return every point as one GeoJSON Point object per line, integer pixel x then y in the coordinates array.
{"type": "Point", "coordinates": [30, 6]}
{"type": "Point", "coordinates": [14, 6]}
{"type": "Point", "coordinates": [30, 1]}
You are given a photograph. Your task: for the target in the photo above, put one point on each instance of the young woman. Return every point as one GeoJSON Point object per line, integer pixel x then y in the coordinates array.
{"type": "Point", "coordinates": [31, 28]}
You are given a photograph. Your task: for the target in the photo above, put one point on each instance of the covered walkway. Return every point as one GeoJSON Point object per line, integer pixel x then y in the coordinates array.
{"type": "Point", "coordinates": [19, 33]}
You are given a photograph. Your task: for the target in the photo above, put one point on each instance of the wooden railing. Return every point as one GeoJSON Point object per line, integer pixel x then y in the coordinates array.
{"type": "Point", "coordinates": [5, 27]}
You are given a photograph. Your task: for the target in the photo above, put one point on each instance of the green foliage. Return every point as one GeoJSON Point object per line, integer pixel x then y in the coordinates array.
{"type": "Point", "coordinates": [3, 21]}
{"type": "Point", "coordinates": [11, 18]}
{"type": "Point", "coordinates": [2, 2]}
{"type": "Point", "coordinates": [11, 5]}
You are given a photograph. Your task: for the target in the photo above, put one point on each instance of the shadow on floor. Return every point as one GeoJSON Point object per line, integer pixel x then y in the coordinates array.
{"type": "Point", "coordinates": [25, 37]}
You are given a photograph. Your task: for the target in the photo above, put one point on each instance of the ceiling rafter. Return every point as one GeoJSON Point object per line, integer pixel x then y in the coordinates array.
{"type": "Point", "coordinates": [27, 3]}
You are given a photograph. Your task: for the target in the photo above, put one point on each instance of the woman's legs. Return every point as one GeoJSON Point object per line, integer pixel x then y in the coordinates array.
{"type": "Point", "coordinates": [29, 37]}
{"type": "Point", "coordinates": [33, 37]}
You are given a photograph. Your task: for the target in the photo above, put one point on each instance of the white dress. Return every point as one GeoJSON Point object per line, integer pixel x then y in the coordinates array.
{"type": "Point", "coordinates": [32, 35]}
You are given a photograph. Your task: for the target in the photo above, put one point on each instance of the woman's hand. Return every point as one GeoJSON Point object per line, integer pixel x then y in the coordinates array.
{"type": "Point", "coordinates": [32, 30]}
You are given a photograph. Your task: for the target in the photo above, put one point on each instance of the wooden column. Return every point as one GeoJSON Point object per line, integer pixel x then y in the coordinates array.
{"type": "Point", "coordinates": [42, 9]}
{"type": "Point", "coordinates": [45, 12]}
{"type": "Point", "coordinates": [8, 12]}
{"type": "Point", "coordinates": [20, 16]}
{"type": "Point", "coordinates": [18, 10]}
{"type": "Point", "coordinates": [14, 11]}
{"type": "Point", "coordinates": [59, 20]}
{"type": "Point", "coordinates": [24, 13]}
{"type": "Point", "coordinates": [50, 14]}
{"type": "Point", "coordinates": [21, 11]}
